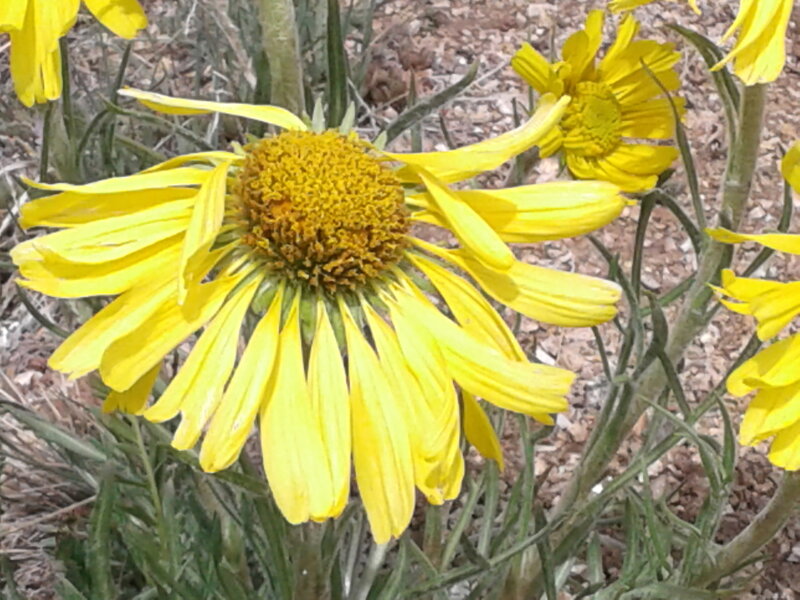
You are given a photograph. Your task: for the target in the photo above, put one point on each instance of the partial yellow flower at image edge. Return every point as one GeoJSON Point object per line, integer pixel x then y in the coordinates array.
{"type": "Point", "coordinates": [759, 53]}
{"type": "Point", "coordinates": [774, 373]}
{"type": "Point", "coordinates": [302, 243]}
{"type": "Point", "coordinates": [35, 27]}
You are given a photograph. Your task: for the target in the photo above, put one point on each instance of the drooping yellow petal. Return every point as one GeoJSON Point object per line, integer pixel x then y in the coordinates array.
{"type": "Point", "coordinates": [782, 242]}
{"type": "Point", "coordinates": [70, 209]}
{"type": "Point", "coordinates": [456, 165]}
{"type": "Point", "coordinates": [273, 115]}
{"type": "Point", "coordinates": [559, 298]}
{"type": "Point", "coordinates": [785, 449]}
{"type": "Point", "coordinates": [772, 410]}
{"type": "Point", "coordinates": [196, 389]}
{"type": "Point", "coordinates": [231, 424]}
{"type": "Point", "coordinates": [49, 274]}
{"type": "Point", "coordinates": [129, 357]}
{"type": "Point", "coordinates": [528, 388]}
{"type": "Point", "coordinates": [184, 176]}
{"type": "Point", "coordinates": [330, 404]}
{"type": "Point", "coordinates": [295, 460]}
{"type": "Point", "coordinates": [110, 239]}
{"type": "Point", "coordinates": [382, 455]}
{"type": "Point", "coordinates": [776, 366]}
{"type": "Point", "coordinates": [133, 400]}
{"type": "Point", "coordinates": [790, 167]}
{"type": "Point", "coordinates": [206, 220]}
{"type": "Point", "coordinates": [759, 53]}
{"type": "Point", "coordinates": [213, 157]}
{"type": "Point", "coordinates": [12, 14]}
{"type": "Point", "coordinates": [471, 309]}
{"type": "Point", "coordinates": [124, 17]}
{"type": "Point", "coordinates": [472, 231]}
{"type": "Point", "coordinates": [479, 431]}
{"type": "Point", "coordinates": [540, 212]}
{"type": "Point", "coordinates": [416, 368]}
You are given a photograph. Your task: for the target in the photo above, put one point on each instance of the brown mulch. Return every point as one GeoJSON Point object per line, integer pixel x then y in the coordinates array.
{"type": "Point", "coordinates": [437, 40]}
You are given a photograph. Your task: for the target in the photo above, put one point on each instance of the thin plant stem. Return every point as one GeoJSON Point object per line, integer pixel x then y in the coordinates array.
{"type": "Point", "coordinates": [691, 320]}
{"type": "Point", "coordinates": [282, 47]}
{"type": "Point", "coordinates": [374, 562]}
{"type": "Point", "coordinates": [761, 530]}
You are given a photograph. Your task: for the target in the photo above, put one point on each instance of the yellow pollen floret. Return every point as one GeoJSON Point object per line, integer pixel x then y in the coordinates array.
{"type": "Point", "coordinates": [593, 119]}
{"type": "Point", "coordinates": [321, 210]}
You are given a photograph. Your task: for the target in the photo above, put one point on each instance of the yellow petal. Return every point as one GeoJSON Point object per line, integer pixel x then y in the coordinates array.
{"type": "Point", "coordinates": [133, 400]}
{"type": "Point", "coordinates": [521, 387]}
{"type": "Point", "coordinates": [456, 165]}
{"type": "Point", "coordinates": [110, 239]}
{"type": "Point", "coordinates": [214, 157]}
{"type": "Point", "coordinates": [381, 441]}
{"type": "Point", "coordinates": [124, 17]}
{"type": "Point", "coordinates": [130, 183]}
{"type": "Point", "coordinates": [129, 357]}
{"type": "Point", "coordinates": [539, 212]}
{"type": "Point", "coordinates": [295, 460]}
{"type": "Point", "coordinates": [231, 424]}
{"type": "Point", "coordinates": [790, 167]}
{"type": "Point", "coordinates": [472, 231]}
{"type": "Point", "coordinates": [772, 410]}
{"type": "Point", "coordinates": [206, 220]}
{"type": "Point", "coordinates": [12, 14]}
{"type": "Point", "coordinates": [47, 273]}
{"type": "Point", "coordinates": [330, 404]}
{"type": "Point", "coordinates": [417, 372]}
{"type": "Point", "coordinates": [70, 209]}
{"type": "Point", "coordinates": [479, 431]}
{"type": "Point", "coordinates": [775, 366]}
{"type": "Point", "coordinates": [772, 303]}
{"type": "Point", "coordinates": [196, 389]}
{"type": "Point", "coordinates": [536, 70]}
{"type": "Point", "coordinates": [471, 309]}
{"type": "Point", "coordinates": [273, 115]}
{"type": "Point", "coordinates": [785, 450]}
{"type": "Point", "coordinates": [782, 242]}
{"type": "Point", "coordinates": [555, 297]}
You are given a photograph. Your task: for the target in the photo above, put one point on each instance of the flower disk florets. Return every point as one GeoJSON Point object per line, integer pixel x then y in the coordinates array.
{"type": "Point", "coordinates": [593, 120]}
{"type": "Point", "coordinates": [321, 209]}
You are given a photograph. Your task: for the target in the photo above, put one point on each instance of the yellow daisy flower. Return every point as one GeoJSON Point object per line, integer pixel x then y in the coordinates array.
{"type": "Point", "coordinates": [614, 103]}
{"type": "Point", "coordinates": [759, 53]}
{"type": "Point", "coordinates": [774, 373]}
{"type": "Point", "coordinates": [35, 26]}
{"type": "Point", "coordinates": [303, 241]}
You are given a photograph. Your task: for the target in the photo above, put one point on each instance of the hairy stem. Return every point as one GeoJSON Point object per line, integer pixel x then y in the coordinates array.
{"type": "Point", "coordinates": [282, 47]}
{"type": "Point", "coordinates": [761, 530]}
{"type": "Point", "coordinates": [691, 320]}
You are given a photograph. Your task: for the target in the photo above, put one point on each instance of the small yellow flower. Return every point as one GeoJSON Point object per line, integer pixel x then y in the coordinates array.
{"type": "Point", "coordinates": [759, 53]}
{"type": "Point", "coordinates": [303, 240]}
{"type": "Point", "coordinates": [613, 103]}
{"type": "Point", "coordinates": [35, 26]}
{"type": "Point", "coordinates": [774, 373]}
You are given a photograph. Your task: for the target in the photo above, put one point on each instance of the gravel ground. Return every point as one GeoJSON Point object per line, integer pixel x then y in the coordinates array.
{"type": "Point", "coordinates": [436, 40]}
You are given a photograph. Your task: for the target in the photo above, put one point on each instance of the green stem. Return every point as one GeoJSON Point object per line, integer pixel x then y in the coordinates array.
{"type": "Point", "coordinates": [282, 47]}
{"type": "Point", "coordinates": [691, 320]}
{"type": "Point", "coordinates": [761, 530]}
{"type": "Point", "coordinates": [374, 562]}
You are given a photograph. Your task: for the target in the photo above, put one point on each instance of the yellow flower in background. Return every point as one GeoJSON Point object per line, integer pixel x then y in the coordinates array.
{"type": "Point", "coordinates": [303, 241]}
{"type": "Point", "coordinates": [615, 104]}
{"type": "Point", "coordinates": [35, 26]}
{"type": "Point", "coordinates": [774, 373]}
{"type": "Point", "coordinates": [759, 53]}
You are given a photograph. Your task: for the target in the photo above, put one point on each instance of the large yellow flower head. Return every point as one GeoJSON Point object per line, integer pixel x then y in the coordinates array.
{"type": "Point", "coordinates": [759, 53]}
{"type": "Point", "coordinates": [615, 103]}
{"type": "Point", "coordinates": [774, 373]}
{"type": "Point", "coordinates": [302, 241]}
{"type": "Point", "coordinates": [35, 26]}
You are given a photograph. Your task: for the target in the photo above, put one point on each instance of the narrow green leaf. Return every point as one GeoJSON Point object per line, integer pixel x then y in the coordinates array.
{"type": "Point", "coordinates": [545, 555]}
{"type": "Point", "coordinates": [337, 66]}
{"type": "Point", "coordinates": [99, 555]}
{"type": "Point", "coordinates": [426, 106]}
